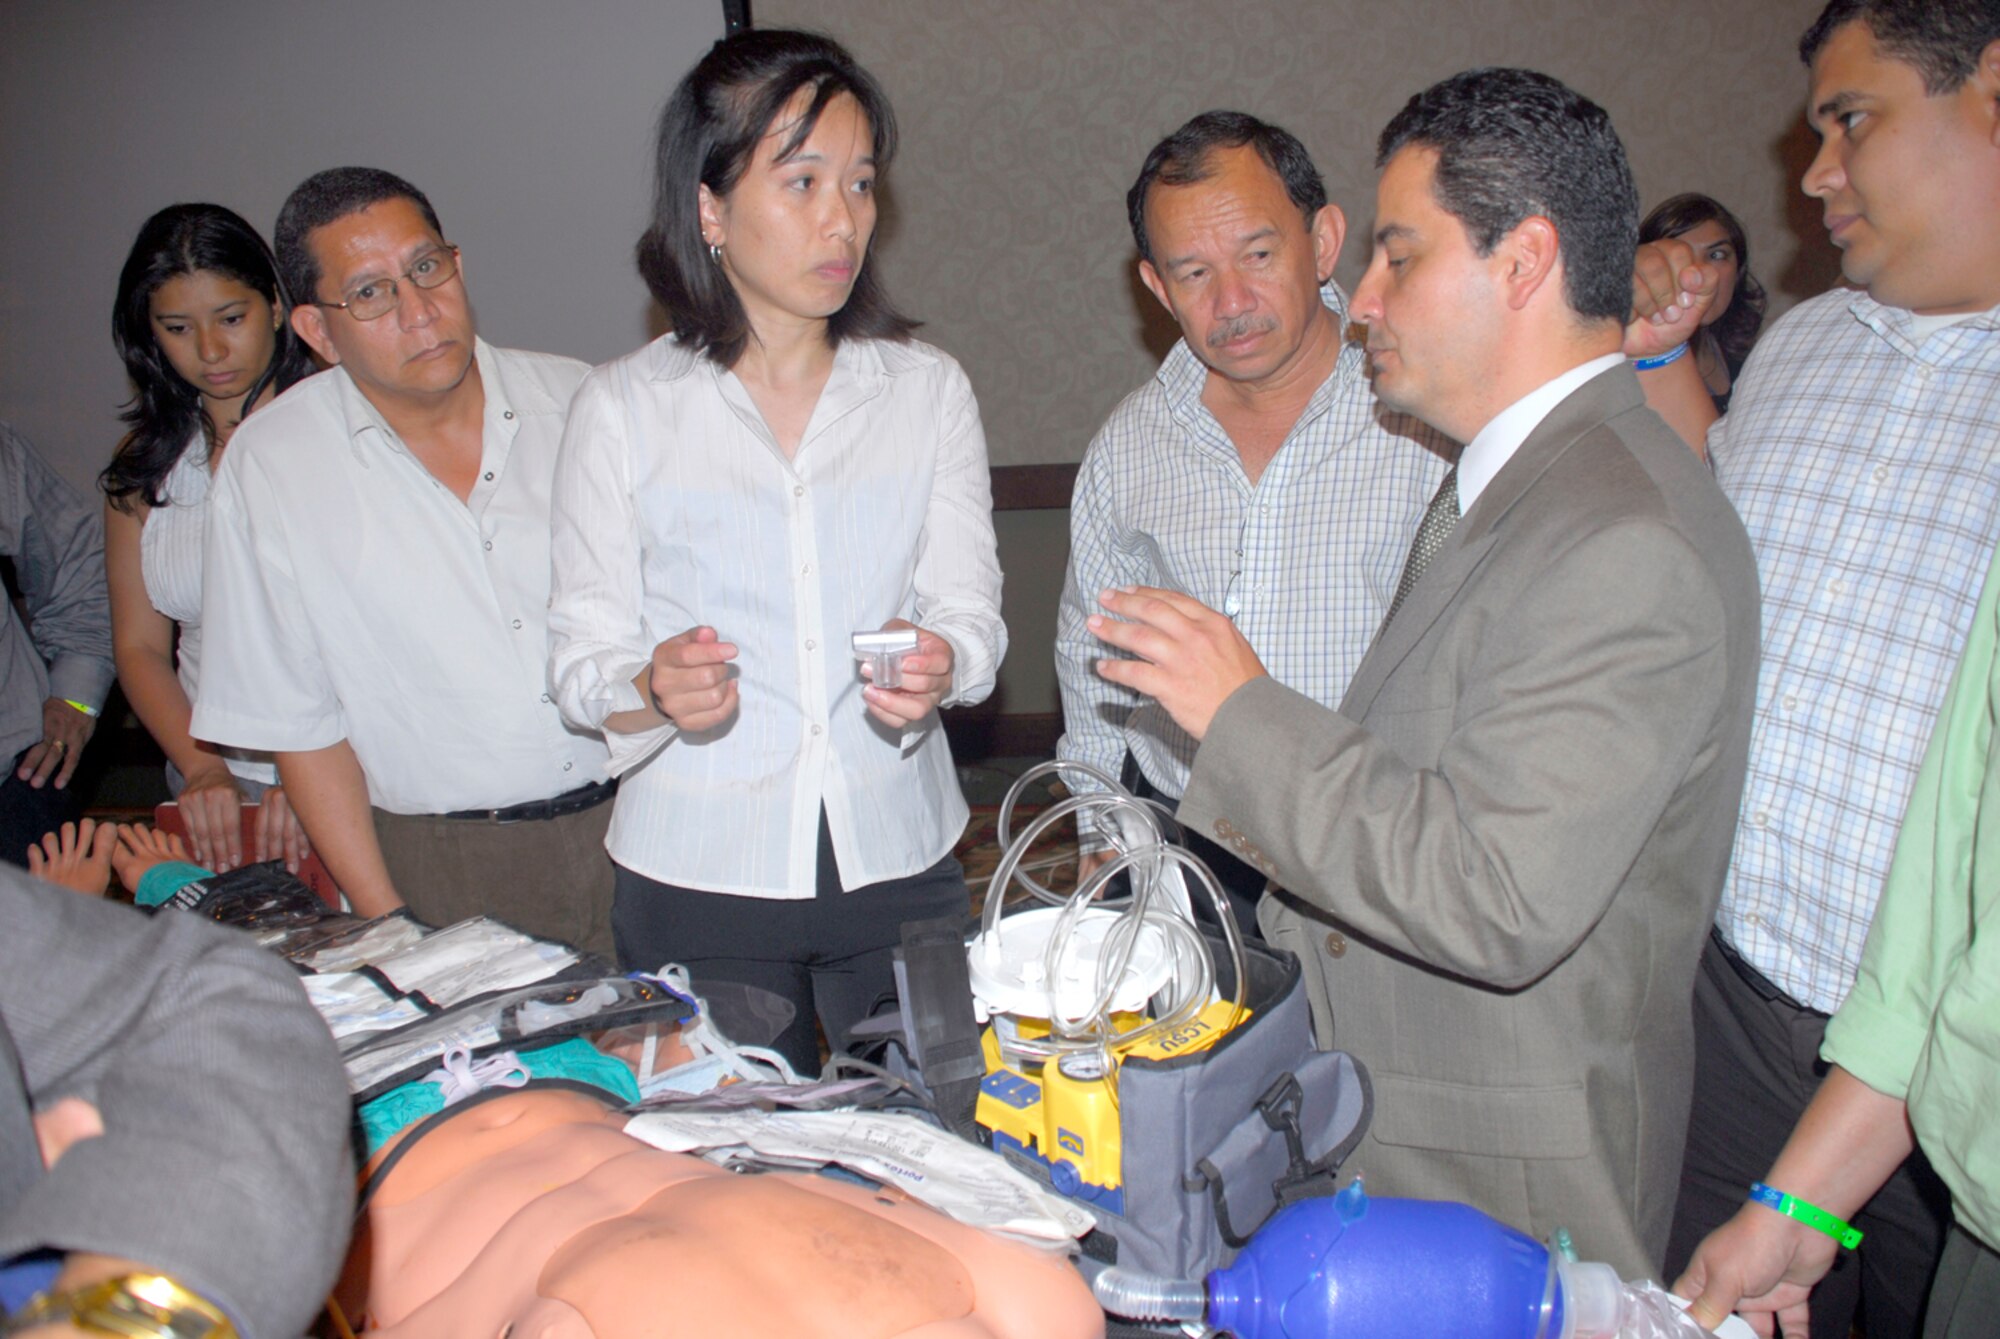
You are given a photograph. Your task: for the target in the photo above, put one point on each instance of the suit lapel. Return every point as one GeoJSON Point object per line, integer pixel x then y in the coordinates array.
{"type": "Point", "coordinates": [1610, 393]}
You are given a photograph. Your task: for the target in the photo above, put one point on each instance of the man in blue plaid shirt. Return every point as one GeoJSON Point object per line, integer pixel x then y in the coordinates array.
{"type": "Point", "coordinates": [1860, 449]}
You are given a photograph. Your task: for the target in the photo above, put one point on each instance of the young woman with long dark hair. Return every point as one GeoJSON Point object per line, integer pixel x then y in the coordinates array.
{"type": "Point", "coordinates": [1731, 324]}
{"type": "Point", "coordinates": [201, 322]}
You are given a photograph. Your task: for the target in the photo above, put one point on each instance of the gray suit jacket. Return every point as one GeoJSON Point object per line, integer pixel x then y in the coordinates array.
{"type": "Point", "coordinates": [225, 1159]}
{"type": "Point", "coordinates": [1507, 845]}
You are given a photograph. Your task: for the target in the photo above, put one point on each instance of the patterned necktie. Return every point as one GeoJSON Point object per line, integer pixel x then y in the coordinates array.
{"type": "Point", "coordinates": [1438, 520]}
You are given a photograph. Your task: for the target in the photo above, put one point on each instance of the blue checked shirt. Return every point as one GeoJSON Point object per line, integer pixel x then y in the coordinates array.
{"type": "Point", "coordinates": [1864, 464]}
{"type": "Point", "coordinates": [1305, 560]}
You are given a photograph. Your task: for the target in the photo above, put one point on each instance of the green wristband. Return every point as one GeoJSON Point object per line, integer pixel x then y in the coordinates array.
{"type": "Point", "coordinates": [1810, 1214]}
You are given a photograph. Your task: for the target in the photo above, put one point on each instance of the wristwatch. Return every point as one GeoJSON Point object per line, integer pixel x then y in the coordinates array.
{"type": "Point", "coordinates": [139, 1306]}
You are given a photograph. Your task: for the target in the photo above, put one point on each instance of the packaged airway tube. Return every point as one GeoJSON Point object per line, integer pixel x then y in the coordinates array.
{"type": "Point", "coordinates": [475, 957]}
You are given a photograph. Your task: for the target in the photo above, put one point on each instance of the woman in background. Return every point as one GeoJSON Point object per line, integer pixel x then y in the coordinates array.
{"type": "Point", "coordinates": [732, 502]}
{"type": "Point", "coordinates": [204, 329]}
{"type": "Point", "coordinates": [1730, 326]}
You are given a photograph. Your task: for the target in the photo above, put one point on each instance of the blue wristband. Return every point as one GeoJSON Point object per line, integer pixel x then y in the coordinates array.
{"type": "Point", "coordinates": [1673, 355]}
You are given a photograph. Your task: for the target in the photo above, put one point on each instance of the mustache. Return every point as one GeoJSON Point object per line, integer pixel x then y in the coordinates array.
{"type": "Point", "coordinates": [1231, 331]}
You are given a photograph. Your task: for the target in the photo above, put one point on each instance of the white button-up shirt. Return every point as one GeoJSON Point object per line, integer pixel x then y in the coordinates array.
{"type": "Point", "coordinates": [1495, 444]}
{"type": "Point", "coordinates": [675, 507]}
{"type": "Point", "coordinates": [350, 595]}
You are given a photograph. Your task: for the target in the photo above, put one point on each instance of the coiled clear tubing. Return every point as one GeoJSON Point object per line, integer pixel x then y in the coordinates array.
{"type": "Point", "coordinates": [1136, 830]}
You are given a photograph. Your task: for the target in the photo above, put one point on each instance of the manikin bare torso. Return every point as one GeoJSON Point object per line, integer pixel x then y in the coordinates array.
{"type": "Point", "coordinates": [534, 1216]}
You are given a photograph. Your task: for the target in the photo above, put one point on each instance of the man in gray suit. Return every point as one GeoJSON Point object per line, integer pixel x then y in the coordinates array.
{"type": "Point", "coordinates": [1506, 845]}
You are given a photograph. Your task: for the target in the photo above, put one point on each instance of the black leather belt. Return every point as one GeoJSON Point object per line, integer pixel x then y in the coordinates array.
{"type": "Point", "coordinates": [563, 805]}
{"type": "Point", "coordinates": [1760, 985]}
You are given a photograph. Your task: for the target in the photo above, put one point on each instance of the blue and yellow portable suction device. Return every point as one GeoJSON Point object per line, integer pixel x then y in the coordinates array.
{"type": "Point", "coordinates": [1073, 986]}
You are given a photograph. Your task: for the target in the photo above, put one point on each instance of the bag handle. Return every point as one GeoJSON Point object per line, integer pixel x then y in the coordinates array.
{"type": "Point", "coordinates": [1303, 1178]}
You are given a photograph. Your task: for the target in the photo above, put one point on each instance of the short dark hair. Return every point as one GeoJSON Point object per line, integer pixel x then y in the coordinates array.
{"type": "Point", "coordinates": [165, 411]}
{"type": "Point", "coordinates": [327, 197]}
{"type": "Point", "coordinates": [1736, 330]}
{"type": "Point", "coordinates": [1513, 144]}
{"type": "Point", "coordinates": [1941, 39]}
{"type": "Point", "coordinates": [709, 131]}
{"type": "Point", "coordinates": [1184, 158]}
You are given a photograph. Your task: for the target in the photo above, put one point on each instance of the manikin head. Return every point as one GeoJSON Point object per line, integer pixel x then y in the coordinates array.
{"type": "Point", "coordinates": [1905, 97]}
{"type": "Point", "coordinates": [1235, 238]}
{"type": "Point", "coordinates": [1505, 224]}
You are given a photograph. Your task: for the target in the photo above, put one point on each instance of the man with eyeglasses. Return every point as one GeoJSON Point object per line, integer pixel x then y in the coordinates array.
{"type": "Point", "coordinates": [377, 585]}
{"type": "Point", "coordinates": [1254, 471]}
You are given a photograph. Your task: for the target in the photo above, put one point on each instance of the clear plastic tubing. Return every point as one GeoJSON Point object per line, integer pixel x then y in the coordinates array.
{"type": "Point", "coordinates": [1136, 1296]}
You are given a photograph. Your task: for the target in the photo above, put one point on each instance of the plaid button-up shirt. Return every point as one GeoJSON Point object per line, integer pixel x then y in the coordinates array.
{"type": "Point", "coordinates": [1864, 457]}
{"type": "Point", "coordinates": [1305, 560]}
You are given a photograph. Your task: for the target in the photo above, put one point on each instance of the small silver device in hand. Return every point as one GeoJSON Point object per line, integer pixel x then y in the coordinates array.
{"type": "Point", "coordinates": [883, 653]}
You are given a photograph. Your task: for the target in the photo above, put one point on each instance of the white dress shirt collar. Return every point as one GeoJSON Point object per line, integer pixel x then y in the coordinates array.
{"type": "Point", "coordinates": [501, 395]}
{"type": "Point", "coordinates": [1502, 436]}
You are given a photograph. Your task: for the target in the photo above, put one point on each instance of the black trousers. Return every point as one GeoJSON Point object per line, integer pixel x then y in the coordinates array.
{"type": "Point", "coordinates": [1965, 1298]}
{"type": "Point", "coordinates": [831, 956]}
{"type": "Point", "coordinates": [27, 813]}
{"type": "Point", "coordinates": [1243, 882]}
{"type": "Point", "coordinates": [1757, 1066]}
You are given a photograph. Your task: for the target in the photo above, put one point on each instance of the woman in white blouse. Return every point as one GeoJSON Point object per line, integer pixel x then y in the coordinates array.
{"type": "Point", "coordinates": [202, 326]}
{"type": "Point", "coordinates": [733, 502]}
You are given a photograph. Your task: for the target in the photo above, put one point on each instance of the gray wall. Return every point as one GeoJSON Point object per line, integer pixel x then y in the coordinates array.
{"type": "Point", "coordinates": [1026, 121]}
{"type": "Point", "coordinates": [527, 123]}
{"type": "Point", "coordinates": [1004, 220]}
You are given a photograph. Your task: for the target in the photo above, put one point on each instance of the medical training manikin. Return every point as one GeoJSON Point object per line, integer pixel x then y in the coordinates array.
{"type": "Point", "coordinates": [533, 1214]}
{"type": "Point", "coordinates": [494, 1210]}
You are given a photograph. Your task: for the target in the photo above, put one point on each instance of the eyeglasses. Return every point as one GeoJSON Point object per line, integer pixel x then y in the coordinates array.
{"type": "Point", "coordinates": [377, 297]}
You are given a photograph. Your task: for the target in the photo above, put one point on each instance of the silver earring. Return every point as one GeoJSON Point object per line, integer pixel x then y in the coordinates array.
{"type": "Point", "coordinates": [715, 252]}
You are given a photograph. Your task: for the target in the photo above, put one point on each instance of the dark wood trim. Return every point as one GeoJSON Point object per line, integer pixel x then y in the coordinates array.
{"type": "Point", "coordinates": [1032, 487]}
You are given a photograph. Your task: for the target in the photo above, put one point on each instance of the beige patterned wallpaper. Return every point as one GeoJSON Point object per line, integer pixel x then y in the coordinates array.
{"type": "Point", "coordinates": [1025, 121]}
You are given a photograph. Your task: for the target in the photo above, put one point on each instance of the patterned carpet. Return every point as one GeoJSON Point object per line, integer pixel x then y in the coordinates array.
{"type": "Point", "coordinates": [1052, 863]}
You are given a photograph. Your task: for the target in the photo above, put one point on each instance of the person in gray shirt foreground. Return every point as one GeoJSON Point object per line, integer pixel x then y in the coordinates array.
{"type": "Point", "coordinates": [169, 1103]}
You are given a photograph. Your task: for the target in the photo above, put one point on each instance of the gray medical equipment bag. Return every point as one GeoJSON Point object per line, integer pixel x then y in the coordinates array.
{"type": "Point", "coordinates": [1215, 1142]}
